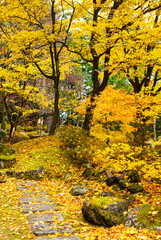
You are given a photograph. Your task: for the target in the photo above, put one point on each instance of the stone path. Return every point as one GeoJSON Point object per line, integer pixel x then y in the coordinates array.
{"type": "Point", "coordinates": [42, 223]}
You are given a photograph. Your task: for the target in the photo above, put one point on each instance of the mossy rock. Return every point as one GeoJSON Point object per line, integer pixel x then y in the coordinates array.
{"type": "Point", "coordinates": [105, 211]}
{"type": "Point", "coordinates": [135, 188]}
{"type": "Point", "coordinates": [33, 134]}
{"type": "Point", "coordinates": [134, 177]}
{"type": "Point", "coordinates": [7, 161]}
{"type": "Point", "coordinates": [26, 175]}
{"type": "Point", "coordinates": [79, 190]}
{"type": "Point", "coordinates": [144, 216]}
{"type": "Point", "coordinates": [20, 137]}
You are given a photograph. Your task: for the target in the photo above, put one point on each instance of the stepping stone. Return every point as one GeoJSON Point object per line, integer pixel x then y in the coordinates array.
{"type": "Point", "coordinates": [26, 183]}
{"type": "Point", "coordinates": [32, 193]}
{"type": "Point", "coordinates": [27, 188]}
{"type": "Point", "coordinates": [45, 229]}
{"type": "Point", "coordinates": [22, 188]}
{"type": "Point", "coordinates": [46, 217]}
{"type": "Point", "coordinates": [37, 207]}
{"type": "Point", "coordinates": [36, 199]}
{"type": "Point", "coordinates": [59, 238]}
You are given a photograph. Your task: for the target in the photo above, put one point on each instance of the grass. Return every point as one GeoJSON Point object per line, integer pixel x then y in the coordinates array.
{"type": "Point", "coordinates": [45, 152]}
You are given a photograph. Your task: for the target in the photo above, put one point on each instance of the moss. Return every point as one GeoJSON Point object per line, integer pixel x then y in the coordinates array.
{"type": "Point", "coordinates": [7, 158]}
{"type": "Point", "coordinates": [104, 211]}
{"type": "Point", "coordinates": [149, 217]}
{"type": "Point", "coordinates": [135, 188]}
{"type": "Point", "coordinates": [102, 201]}
{"type": "Point", "coordinates": [32, 134]}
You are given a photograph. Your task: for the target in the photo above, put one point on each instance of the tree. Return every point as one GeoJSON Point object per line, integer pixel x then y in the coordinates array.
{"type": "Point", "coordinates": [104, 24]}
{"type": "Point", "coordinates": [19, 94]}
{"type": "Point", "coordinates": [35, 35]}
{"type": "Point", "coordinates": [138, 58]}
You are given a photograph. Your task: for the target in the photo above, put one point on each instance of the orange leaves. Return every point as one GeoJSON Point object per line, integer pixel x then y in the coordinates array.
{"type": "Point", "coordinates": [113, 114]}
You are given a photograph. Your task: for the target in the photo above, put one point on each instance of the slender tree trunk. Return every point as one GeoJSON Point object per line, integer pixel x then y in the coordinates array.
{"type": "Point", "coordinates": [3, 124]}
{"type": "Point", "coordinates": [155, 130]}
{"type": "Point", "coordinates": [56, 118]}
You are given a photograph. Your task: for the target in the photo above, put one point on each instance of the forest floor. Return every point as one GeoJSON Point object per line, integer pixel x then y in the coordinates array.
{"type": "Point", "coordinates": [46, 152]}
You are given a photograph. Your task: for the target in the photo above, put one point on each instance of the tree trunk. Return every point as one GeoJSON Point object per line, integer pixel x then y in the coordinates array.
{"type": "Point", "coordinates": [155, 130]}
{"type": "Point", "coordinates": [56, 119]}
{"type": "Point", "coordinates": [3, 124]}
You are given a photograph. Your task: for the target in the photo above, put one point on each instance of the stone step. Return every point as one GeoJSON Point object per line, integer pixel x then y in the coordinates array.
{"type": "Point", "coordinates": [45, 217]}
{"type": "Point", "coordinates": [59, 238]}
{"type": "Point", "coordinates": [33, 193]}
{"type": "Point", "coordinates": [37, 207]}
{"type": "Point", "coordinates": [45, 229]}
{"type": "Point", "coordinates": [26, 185]}
{"type": "Point", "coordinates": [36, 199]}
{"type": "Point", "coordinates": [29, 183]}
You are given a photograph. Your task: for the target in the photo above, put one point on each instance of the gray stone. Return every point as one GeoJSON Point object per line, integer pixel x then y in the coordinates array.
{"type": "Point", "coordinates": [138, 217]}
{"type": "Point", "coordinates": [68, 176]}
{"type": "Point", "coordinates": [45, 217]}
{"type": "Point", "coordinates": [26, 183]}
{"type": "Point", "coordinates": [79, 190]}
{"type": "Point", "coordinates": [59, 238]}
{"type": "Point", "coordinates": [32, 193]}
{"type": "Point", "coordinates": [37, 207]}
{"type": "Point", "coordinates": [22, 188]}
{"type": "Point", "coordinates": [131, 219]}
{"type": "Point", "coordinates": [45, 229]}
{"type": "Point", "coordinates": [105, 194]}
{"type": "Point", "coordinates": [36, 199]}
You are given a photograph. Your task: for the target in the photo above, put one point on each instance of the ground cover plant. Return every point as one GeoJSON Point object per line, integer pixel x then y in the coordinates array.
{"type": "Point", "coordinates": [46, 152]}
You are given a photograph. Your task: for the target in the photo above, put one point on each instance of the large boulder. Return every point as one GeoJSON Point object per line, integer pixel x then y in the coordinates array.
{"type": "Point", "coordinates": [144, 216]}
{"type": "Point", "coordinates": [105, 211]}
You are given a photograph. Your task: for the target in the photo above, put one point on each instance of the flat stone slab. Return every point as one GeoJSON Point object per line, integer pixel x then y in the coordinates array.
{"type": "Point", "coordinates": [26, 183]}
{"type": "Point", "coordinates": [45, 217]}
{"type": "Point", "coordinates": [33, 193]}
{"type": "Point", "coordinates": [19, 188]}
{"type": "Point", "coordinates": [59, 238]}
{"type": "Point", "coordinates": [36, 199]}
{"type": "Point", "coordinates": [37, 207]}
{"type": "Point", "coordinates": [45, 229]}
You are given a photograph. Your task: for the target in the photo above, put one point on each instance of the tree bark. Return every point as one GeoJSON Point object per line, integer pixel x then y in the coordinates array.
{"type": "Point", "coordinates": [56, 116]}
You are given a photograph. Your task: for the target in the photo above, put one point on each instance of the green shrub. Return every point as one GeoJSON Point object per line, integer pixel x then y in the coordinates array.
{"type": "Point", "coordinates": [29, 128]}
{"type": "Point", "coordinates": [20, 137]}
{"type": "Point", "coordinates": [45, 127]}
{"type": "Point", "coordinates": [2, 133]}
{"type": "Point", "coordinates": [76, 145]}
{"type": "Point", "coordinates": [19, 128]}
{"type": "Point", "coordinates": [7, 150]}
{"type": "Point", "coordinates": [8, 127]}
{"type": "Point", "coordinates": [32, 134]}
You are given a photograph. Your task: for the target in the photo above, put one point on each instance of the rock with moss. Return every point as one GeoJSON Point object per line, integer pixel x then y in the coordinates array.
{"type": "Point", "coordinates": [105, 211]}
{"type": "Point", "coordinates": [134, 177]}
{"type": "Point", "coordinates": [144, 216]}
{"type": "Point", "coordinates": [135, 188]}
{"type": "Point", "coordinates": [7, 161]}
{"type": "Point", "coordinates": [79, 190]}
{"type": "Point", "coordinates": [26, 175]}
